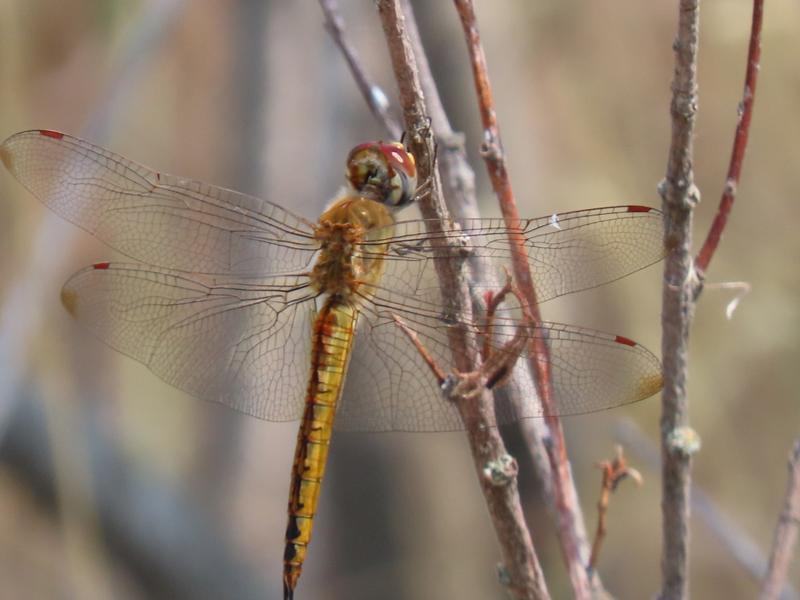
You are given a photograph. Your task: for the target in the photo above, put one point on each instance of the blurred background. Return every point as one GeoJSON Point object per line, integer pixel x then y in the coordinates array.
{"type": "Point", "coordinates": [113, 484]}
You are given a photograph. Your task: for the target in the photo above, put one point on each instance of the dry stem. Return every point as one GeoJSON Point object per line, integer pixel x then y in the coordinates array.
{"type": "Point", "coordinates": [739, 143]}
{"type": "Point", "coordinates": [525, 579]}
{"type": "Point", "coordinates": [683, 280]}
{"type": "Point", "coordinates": [614, 472]}
{"type": "Point", "coordinates": [372, 93]}
{"type": "Point", "coordinates": [567, 507]}
{"type": "Point", "coordinates": [679, 196]}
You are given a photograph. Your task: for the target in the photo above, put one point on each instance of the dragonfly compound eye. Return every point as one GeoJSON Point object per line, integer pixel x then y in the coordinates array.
{"type": "Point", "coordinates": [384, 172]}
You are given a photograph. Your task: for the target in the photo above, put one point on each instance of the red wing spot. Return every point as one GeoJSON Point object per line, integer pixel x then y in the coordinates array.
{"type": "Point", "coordinates": [101, 266]}
{"type": "Point", "coordinates": [623, 340]}
{"type": "Point", "coordinates": [158, 177]}
{"type": "Point", "coordinates": [56, 135]}
{"type": "Point", "coordinates": [642, 209]}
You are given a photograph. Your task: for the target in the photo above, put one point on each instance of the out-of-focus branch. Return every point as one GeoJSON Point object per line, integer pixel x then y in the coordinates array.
{"type": "Point", "coordinates": [614, 472]}
{"type": "Point", "coordinates": [371, 91]}
{"type": "Point", "coordinates": [732, 537]}
{"type": "Point", "coordinates": [160, 535]}
{"type": "Point", "coordinates": [523, 573]}
{"type": "Point", "coordinates": [679, 196]}
{"type": "Point", "coordinates": [739, 143]}
{"type": "Point", "coordinates": [567, 506]}
{"type": "Point", "coordinates": [21, 317]}
{"type": "Point", "coordinates": [785, 533]}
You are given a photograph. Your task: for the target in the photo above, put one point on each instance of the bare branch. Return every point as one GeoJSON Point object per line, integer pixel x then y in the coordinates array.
{"type": "Point", "coordinates": [521, 566]}
{"type": "Point", "coordinates": [568, 509]}
{"type": "Point", "coordinates": [785, 533]}
{"type": "Point", "coordinates": [739, 143]}
{"type": "Point", "coordinates": [372, 93]}
{"type": "Point", "coordinates": [679, 196]}
{"type": "Point", "coordinates": [614, 472]}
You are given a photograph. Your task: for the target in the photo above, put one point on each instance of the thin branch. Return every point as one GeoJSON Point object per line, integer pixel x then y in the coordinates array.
{"type": "Point", "coordinates": [679, 196]}
{"type": "Point", "coordinates": [458, 189]}
{"type": "Point", "coordinates": [785, 532]}
{"type": "Point", "coordinates": [521, 566]}
{"type": "Point", "coordinates": [614, 472]}
{"type": "Point", "coordinates": [567, 507]}
{"type": "Point", "coordinates": [739, 144]}
{"type": "Point", "coordinates": [730, 535]}
{"type": "Point", "coordinates": [371, 91]}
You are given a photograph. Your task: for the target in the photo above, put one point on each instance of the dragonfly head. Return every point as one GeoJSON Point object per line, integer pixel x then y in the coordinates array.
{"type": "Point", "coordinates": [383, 171]}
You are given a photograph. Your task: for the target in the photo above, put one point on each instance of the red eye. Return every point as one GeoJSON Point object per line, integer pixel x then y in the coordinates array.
{"type": "Point", "coordinates": [383, 171]}
{"type": "Point", "coordinates": [399, 158]}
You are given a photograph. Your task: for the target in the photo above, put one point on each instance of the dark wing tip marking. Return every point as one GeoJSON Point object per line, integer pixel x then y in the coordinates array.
{"type": "Point", "coordinates": [635, 208]}
{"type": "Point", "coordinates": [101, 266]}
{"type": "Point", "coordinates": [56, 135]}
{"type": "Point", "coordinates": [621, 339]}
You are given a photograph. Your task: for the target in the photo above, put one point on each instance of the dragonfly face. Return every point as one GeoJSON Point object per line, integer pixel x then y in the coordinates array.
{"type": "Point", "coordinates": [384, 172]}
{"type": "Point", "coordinates": [223, 292]}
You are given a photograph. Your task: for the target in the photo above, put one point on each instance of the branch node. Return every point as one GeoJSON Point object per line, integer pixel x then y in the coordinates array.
{"type": "Point", "coordinates": [683, 441]}
{"type": "Point", "coordinates": [503, 576]}
{"type": "Point", "coordinates": [501, 472]}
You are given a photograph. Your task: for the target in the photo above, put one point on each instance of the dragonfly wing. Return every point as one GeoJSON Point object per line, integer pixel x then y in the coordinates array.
{"type": "Point", "coordinates": [157, 218]}
{"type": "Point", "coordinates": [242, 343]}
{"type": "Point", "coordinates": [567, 252]}
{"type": "Point", "coordinates": [390, 387]}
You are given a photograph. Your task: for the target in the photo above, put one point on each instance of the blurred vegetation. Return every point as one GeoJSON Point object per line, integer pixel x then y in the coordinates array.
{"type": "Point", "coordinates": [254, 96]}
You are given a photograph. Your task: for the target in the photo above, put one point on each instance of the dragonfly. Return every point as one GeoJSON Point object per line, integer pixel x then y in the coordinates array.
{"type": "Point", "coordinates": [235, 299]}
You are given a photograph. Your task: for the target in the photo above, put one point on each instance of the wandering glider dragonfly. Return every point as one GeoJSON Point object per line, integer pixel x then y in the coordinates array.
{"type": "Point", "coordinates": [233, 297]}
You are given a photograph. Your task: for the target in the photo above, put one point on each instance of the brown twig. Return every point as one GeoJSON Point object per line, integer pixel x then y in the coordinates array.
{"type": "Point", "coordinates": [683, 280]}
{"type": "Point", "coordinates": [614, 472]}
{"type": "Point", "coordinates": [679, 196]}
{"type": "Point", "coordinates": [785, 533]}
{"type": "Point", "coordinates": [739, 143]}
{"type": "Point", "coordinates": [458, 189]}
{"type": "Point", "coordinates": [567, 507]}
{"type": "Point", "coordinates": [524, 575]}
{"type": "Point", "coordinates": [371, 91]}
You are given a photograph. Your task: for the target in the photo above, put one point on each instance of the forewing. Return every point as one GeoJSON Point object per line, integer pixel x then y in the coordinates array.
{"type": "Point", "coordinates": [157, 218]}
{"type": "Point", "coordinates": [242, 343]}
{"type": "Point", "coordinates": [567, 252]}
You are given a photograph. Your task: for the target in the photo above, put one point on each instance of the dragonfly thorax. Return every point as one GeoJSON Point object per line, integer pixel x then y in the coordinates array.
{"type": "Point", "coordinates": [344, 264]}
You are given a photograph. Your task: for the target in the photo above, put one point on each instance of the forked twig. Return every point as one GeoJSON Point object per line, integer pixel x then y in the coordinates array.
{"type": "Point", "coordinates": [614, 472]}
{"type": "Point", "coordinates": [683, 278]}
{"type": "Point", "coordinates": [496, 363]}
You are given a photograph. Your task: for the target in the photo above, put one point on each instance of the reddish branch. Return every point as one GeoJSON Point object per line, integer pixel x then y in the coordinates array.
{"type": "Point", "coordinates": [614, 472]}
{"type": "Point", "coordinates": [739, 143]}
{"type": "Point", "coordinates": [567, 507]}
{"type": "Point", "coordinates": [521, 566]}
{"type": "Point", "coordinates": [785, 532]}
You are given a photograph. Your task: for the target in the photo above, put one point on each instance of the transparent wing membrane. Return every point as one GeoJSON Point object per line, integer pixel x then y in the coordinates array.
{"type": "Point", "coordinates": [243, 343]}
{"type": "Point", "coordinates": [157, 218]}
